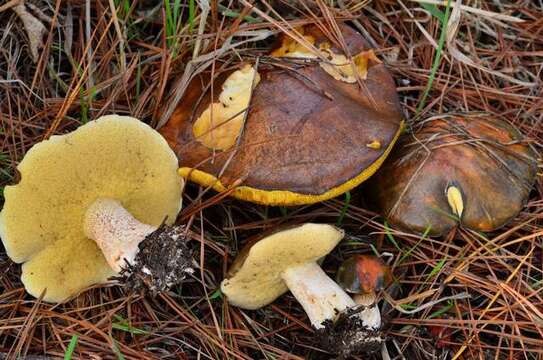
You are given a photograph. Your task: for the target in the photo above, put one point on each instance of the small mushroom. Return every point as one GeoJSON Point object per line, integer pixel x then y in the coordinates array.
{"type": "Point", "coordinates": [287, 260]}
{"type": "Point", "coordinates": [364, 276]}
{"type": "Point", "coordinates": [90, 204]}
{"type": "Point", "coordinates": [471, 170]}
{"type": "Point", "coordinates": [292, 131]}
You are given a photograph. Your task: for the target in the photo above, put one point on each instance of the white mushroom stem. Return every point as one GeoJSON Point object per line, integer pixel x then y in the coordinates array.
{"type": "Point", "coordinates": [371, 314]}
{"type": "Point", "coordinates": [321, 297]}
{"type": "Point", "coordinates": [116, 231]}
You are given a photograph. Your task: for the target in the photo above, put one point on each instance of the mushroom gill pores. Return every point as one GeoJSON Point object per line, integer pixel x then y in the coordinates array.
{"type": "Point", "coordinates": [470, 170]}
{"type": "Point", "coordinates": [309, 132]}
{"type": "Point", "coordinates": [85, 203]}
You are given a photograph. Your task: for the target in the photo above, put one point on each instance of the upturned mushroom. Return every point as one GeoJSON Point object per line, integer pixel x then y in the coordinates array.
{"type": "Point", "coordinates": [287, 260]}
{"type": "Point", "coordinates": [306, 125]}
{"type": "Point", "coordinates": [473, 170]}
{"type": "Point", "coordinates": [90, 204]}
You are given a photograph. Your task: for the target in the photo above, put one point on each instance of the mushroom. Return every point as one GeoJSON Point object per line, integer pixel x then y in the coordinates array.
{"type": "Point", "coordinates": [292, 131]}
{"type": "Point", "coordinates": [288, 260]}
{"type": "Point", "coordinates": [364, 276]}
{"type": "Point", "coordinates": [471, 170]}
{"type": "Point", "coordinates": [90, 204]}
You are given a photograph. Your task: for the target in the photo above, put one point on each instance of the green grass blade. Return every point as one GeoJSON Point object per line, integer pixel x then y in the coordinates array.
{"type": "Point", "coordinates": [408, 253]}
{"type": "Point", "coordinates": [116, 350]}
{"type": "Point", "coordinates": [436, 269]}
{"type": "Point", "coordinates": [408, 306]}
{"type": "Point", "coordinates": [123, 325]}
{"type": "Point", "coordinates": [442, 310]}
{"type": "Point", "coordinates": [374, 250]}
{"type": "Point", "coordinates": [217, 294]}
{"type": "Point", "coordinates": [170, 26]}
{"type": "Point", "coordinates": [233, 14]}
{"type": "Point", "coordinates": [192, 14]}
{"type": "Point", "coordinates": [176, 11]}
{"type": "Point", "coordinates": [437, 59]}
{"type": "Point", "coordinates": [432, 9]}
{"type": "Point", "coordinates": [344, 209]}
{"type": "Point", "coordinates": [71, 347]}
{"type": "Point", "coordinates": [390, 237]}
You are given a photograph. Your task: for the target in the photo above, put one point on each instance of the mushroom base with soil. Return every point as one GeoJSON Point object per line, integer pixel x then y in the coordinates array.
{"type": "Point", "coordinates": [147, 258]}
{"type": "Point", "coordinates": [348, 334]}
{"type": "Point", "coordinates": [344, 326]}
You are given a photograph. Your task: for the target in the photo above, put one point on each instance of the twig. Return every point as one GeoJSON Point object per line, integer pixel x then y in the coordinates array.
{"type": "Point", "coordinates": [463, 295]}
{"type": "Point", "coordinates": [473, 10]}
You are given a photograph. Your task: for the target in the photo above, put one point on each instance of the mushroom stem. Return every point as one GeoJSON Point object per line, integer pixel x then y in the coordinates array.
{"type": "Point", "coordinates": [116, 232]}
{"type": "Point", "coordinates": [370, 314]}
{"type": "Point", "coordinates": [320, 296]}
{"type": "Point", "coordinates": [146, 257]}
{"type": "Point", "coordinates": [342, 327]}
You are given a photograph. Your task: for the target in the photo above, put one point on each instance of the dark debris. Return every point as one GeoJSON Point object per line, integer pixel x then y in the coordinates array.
{"type": "Point", "coordinates": [347, 335]}
{"type": "Point", "coordinates": [164, 260]}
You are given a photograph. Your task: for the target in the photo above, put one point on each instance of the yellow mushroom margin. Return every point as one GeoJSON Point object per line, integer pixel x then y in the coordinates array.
{"type": "Point", "coordinates": [284, 197]}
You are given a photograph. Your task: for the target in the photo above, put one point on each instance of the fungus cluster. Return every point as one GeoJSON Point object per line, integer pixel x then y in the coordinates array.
{"type": "Point", "coordinates": [288, 261]}
{"type": "Point", "coordinates": [312, 121]}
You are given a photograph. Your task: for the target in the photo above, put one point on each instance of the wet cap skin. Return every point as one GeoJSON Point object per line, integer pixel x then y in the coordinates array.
{"type": "Point", "coordinates": [478, 173]}
{"type": "Point", "coordinates": [363, 274]}
{"type": "Point", "coordinates": [42, 222]}
{"type": "Point", "coordinates": [309, 132]}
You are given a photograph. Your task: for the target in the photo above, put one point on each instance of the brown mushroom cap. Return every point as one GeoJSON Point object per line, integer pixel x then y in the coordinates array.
{"type": "Point", "coordinates": [363, 274]}
{"type": "Point", "coordinates": [307, 136]}
{"type": "Point", "coordinates": [472, 170]}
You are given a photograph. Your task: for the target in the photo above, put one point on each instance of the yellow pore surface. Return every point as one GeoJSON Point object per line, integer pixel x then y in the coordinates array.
{"type": "Point", "coordinates": [42, 221]}
{"type": "Point", "coordinates": [336, 65]}
{"type": "Point", "coordinates": [257, 279]}
{"type": "Point", "coordinates": [219, 126]}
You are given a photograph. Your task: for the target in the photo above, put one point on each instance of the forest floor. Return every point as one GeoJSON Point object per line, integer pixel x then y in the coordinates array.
{"type": "Point", "coordinates": [90, 58]}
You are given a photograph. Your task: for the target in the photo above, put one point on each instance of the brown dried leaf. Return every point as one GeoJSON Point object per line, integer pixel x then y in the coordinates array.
{"type": "Point", "coordinates": [34, 28]}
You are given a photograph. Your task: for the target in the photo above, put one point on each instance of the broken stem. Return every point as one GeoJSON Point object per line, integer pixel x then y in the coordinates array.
{"type": "Point", "coordinates": [320, 296]}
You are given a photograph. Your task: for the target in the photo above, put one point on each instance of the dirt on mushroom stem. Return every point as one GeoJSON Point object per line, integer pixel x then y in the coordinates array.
{"type": "Point", "coordinates": [163, 261]}
{"type": "Point", "coordinates": [348, 335]}
{"type": "Point", "coordinates": [343, 326]}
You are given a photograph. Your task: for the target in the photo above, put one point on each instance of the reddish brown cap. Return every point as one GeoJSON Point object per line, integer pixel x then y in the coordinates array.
{"type": "Point", "coordinates": [474, 170]}
{"type": "Point", "coordinates": [363, 274]}
{"type": "Point", "coordinates": [307, 137]}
